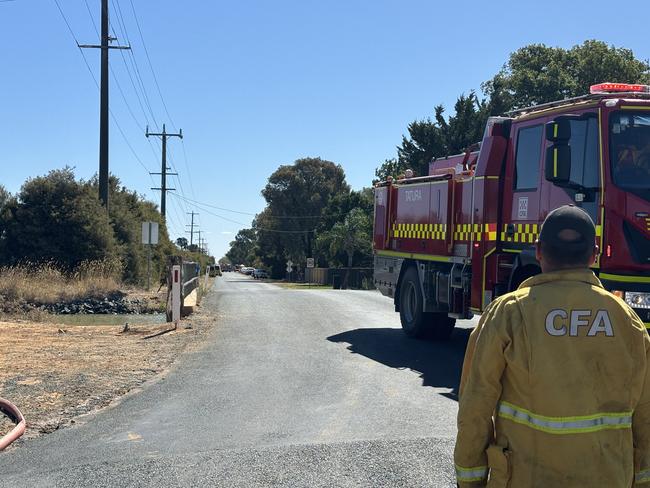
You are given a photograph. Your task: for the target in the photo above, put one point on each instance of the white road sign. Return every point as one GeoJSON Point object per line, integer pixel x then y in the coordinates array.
{"type": "Point", "coordinates": [149, 232]}
{"type": "Point", "coordinates": [310, 262]}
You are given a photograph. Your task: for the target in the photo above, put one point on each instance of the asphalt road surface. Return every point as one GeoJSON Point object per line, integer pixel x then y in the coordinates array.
{"type": "Point", "coordinates": [294, 388]}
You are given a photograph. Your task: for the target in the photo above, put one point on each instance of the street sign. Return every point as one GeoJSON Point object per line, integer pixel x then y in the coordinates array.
{"type": "Point", "coordinates": [149, 233]}
{"type": "Point", "coordinates": [310, 262]}
{"type": "Point", "coordinates": [289, 269]}
{"type": "Point", "coordinates": [149, 238]}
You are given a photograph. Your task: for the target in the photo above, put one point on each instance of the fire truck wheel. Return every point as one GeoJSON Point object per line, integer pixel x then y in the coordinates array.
{"type": "Point", "coordinates": [441, 326]}
{"type": "Point", "coordinates": [414, 321]}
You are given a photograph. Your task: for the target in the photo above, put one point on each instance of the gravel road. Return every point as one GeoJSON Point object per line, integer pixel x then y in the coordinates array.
{"type": "Point", "coordinates": [292, 388]}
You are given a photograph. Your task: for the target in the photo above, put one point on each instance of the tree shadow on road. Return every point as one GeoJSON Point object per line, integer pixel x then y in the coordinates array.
{"type": "Point", "coordinates": [438, 363]}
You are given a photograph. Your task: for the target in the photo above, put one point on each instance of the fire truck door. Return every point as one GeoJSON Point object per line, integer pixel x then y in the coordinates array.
{"type": "Point", "coordinates": [523, 185]}
{"type": "Point", "coordinates": [585, 191]}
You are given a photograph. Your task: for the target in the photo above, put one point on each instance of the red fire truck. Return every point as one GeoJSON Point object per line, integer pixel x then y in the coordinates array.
{"type": "Point", "coordinates": [448, 243]}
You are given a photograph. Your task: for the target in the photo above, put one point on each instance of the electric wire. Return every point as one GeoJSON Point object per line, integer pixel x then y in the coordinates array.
{"type": "Point", "coordinates": [122, 27]}
{"type": "Point", "coordinates": [146, 51]}
{"type": "Point", "coordinates": [162, 99]}
{"type": "Point", "coordinates": [115, 78]}
{"type": "Point", "coordinates": [263, 229]}
{"type": "Point", "coordinates": [289, 217]}
{"type": "Point", "coordinates": [74, 37]}
{"type": "Point", "coordinates": [124, 35]}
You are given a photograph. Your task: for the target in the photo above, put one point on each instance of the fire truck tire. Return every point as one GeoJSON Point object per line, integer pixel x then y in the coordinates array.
{"type": "Point", "coordinates": [441, 326]}
{"type": "Point", "coordinates": [415, 322]}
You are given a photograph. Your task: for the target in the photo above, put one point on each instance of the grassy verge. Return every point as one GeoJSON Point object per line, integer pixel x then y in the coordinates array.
{"type": "Point", "coordinates": [47, 283]}
{"type": "Point", "coordinates": [204, 287]}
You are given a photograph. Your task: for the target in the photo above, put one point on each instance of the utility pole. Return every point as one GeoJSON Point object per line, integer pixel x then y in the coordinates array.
{"type": "Point", "coordinates": [105, 46]}
{"type": "Point", "coordinates": [163, 168]}
{"type": "Point", "coordinates": [191, 231]}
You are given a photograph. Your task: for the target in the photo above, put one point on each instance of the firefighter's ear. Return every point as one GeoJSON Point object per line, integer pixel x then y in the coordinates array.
{"type": "Point", "coordinates": [594, 255]}
{"type": "Point", "coordinates": [538, 251]}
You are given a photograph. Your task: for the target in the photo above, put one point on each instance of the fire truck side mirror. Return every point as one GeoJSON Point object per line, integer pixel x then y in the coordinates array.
{"type": "Point", "coordinates": [558, 164]}
{"type": "Point", "coordinates": [559, 130]}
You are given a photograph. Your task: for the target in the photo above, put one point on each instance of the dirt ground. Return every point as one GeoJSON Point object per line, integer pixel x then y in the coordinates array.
{"type": "Point", "coordinates": [54, 373]}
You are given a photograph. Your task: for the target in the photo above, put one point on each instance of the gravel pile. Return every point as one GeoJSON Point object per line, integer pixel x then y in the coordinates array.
{"type": "Point", "coordinates": [115, 304]}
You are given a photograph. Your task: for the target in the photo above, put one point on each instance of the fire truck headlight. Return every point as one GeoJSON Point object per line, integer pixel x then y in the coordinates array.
{"type": "Point", "coordinates": [637, 300]}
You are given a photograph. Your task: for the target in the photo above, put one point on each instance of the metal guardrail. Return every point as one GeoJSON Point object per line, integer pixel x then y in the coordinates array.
{"type": "Point", "coordinates": [190, 273]}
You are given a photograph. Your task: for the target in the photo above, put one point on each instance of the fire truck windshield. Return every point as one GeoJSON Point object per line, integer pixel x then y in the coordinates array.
{"type": "Point", "coordinates": [630, 152]}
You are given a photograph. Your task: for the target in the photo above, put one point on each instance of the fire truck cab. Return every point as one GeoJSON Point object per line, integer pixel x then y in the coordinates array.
{"type": "Point", "coordinates": [446, 244]}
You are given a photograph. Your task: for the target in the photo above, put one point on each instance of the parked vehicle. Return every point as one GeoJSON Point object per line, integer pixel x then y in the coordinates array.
{"type": "Point", "coordinates": [260, 274]}
{"type": "Point", "coordinates": [214, 270]}
{"type": "Point", "coordinates": [247, 271]}
{"type": "Point", "coordinates": [448, 243]}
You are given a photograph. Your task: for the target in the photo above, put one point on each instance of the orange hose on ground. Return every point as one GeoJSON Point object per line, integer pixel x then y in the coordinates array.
{"type": "Point", "coordinates": [11, 411]}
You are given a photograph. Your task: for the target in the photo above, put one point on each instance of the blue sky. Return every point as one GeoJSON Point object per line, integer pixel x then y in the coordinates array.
{"type": "Point", "coordinates": [256, 84]}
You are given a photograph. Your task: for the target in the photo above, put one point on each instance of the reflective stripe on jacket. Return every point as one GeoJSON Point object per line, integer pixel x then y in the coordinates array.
{"type": "Point", "coordinates": [555, 390]}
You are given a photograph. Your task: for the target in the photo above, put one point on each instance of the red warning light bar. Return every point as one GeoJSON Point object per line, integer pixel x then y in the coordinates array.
{"type": "Point", "coordinates": [618, 87]}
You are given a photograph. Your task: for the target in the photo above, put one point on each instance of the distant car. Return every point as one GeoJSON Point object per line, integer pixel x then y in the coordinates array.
{"type": "Point", "coordinates": [259, 274]}
{"type": "Point", "coordinates": [247, 271]}
{"type": "Point", "coordinates": [214, 270]}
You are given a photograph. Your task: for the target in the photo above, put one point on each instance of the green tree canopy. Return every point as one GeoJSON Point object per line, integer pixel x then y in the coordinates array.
{"type": "Point", "coordinates": [59, 218]}
{"type": "Point", "coordinates": [532, 75]}
{"type": "Point", "coordinates": [440, 137]}
{"type": "Point", "coordinates": [242, 249]}
{"type": "Point", "coordinates": [56, 218]}
{"type": "Point", "coordinates": [296, 196]}
{"type": "Point", "coordinates": [349, 236]}
{"type": "Point", "coordinates": [538, 73]}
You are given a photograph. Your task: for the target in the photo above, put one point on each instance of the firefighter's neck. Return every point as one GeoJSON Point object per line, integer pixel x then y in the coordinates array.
{"type": "Point", "coordinates": [548, 266]}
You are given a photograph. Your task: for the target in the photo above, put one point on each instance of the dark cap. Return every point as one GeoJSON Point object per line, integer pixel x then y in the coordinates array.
{"type": "Point", "coordinates": [568, 217]}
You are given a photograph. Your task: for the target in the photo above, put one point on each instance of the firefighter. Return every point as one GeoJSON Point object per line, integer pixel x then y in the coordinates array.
{"type": "Point", "coordinates": [555, 389]}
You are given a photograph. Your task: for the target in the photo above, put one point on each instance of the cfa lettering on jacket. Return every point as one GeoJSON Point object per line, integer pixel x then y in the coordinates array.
{"type": "Point", "coordinates": [560, 322]}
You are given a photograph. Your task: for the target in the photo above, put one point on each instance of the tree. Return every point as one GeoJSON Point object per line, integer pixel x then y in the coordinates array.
{"type": "Point", "coordinates": [532, 75]}
{"type": "Point", "coordinates": [243, 247]}
{"type": "Point", "coordinates": [428, 139]}
{"type": "Point", "coordinates": [5, 196]}
{"type": "Point", "coordinates": [296, 196]}
{"type": "Point", "coordinates": [352, 235]}
{"type": "Point", "coordinates": [538, 73]}
{"type": "Point", "coordinates": [56, 218]}
{"type": "Point", "coordinates": [127, 212]}
{"type": "Point", "coordinates": [337, 211]}
{"type": "Point", "coordinates": [182, 242]}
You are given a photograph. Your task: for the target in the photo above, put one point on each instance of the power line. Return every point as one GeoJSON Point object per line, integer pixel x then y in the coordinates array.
{"type": "Point", "coordinates": [115, 78]}
{"type": "Point", "coordinates": [143, 89]}
{"type": "Point", "coordinates": [278, 231]}
{"type": "Point", "coordinates": [105, 48]}
{"type": "Point", "coordinates": [163, 174]}
{"type": "Point", "coordinates": [92, 74]}
{"type": "Point", "coordinates": [146, 51]}
{"type": "Point", "coordinates": [289, 217]}
{"type": "Point", "coordinates": [187, 167]}
{"type": "Point", "coordinates": [146, 97]}
{"type": "Point", "coordinates": [162, 99]}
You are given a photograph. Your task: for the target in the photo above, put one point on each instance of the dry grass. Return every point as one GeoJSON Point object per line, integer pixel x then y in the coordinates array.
{"type": "Point", "coordinates": [54, 373]}
{"type": "Point", "coordinates": [46, 283]}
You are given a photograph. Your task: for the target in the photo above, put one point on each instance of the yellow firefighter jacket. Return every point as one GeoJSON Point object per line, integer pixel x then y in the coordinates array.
{"type": "Point", "coordinates": [555, 390]}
